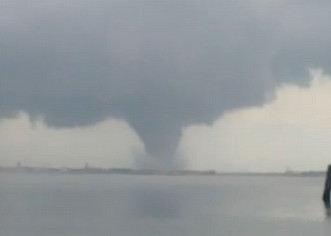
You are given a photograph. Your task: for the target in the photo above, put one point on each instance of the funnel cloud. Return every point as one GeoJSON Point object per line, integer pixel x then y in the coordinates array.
{"type": "Point", "coordinates": [159, 65]}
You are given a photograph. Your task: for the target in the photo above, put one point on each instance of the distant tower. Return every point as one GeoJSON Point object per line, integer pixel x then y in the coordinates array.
{"type": "Point", "coordinates": [87, 166]}
{"type": "Point", "coordinates": [288, 170]}
{"type": "Point", "coordinates": [18, 165]}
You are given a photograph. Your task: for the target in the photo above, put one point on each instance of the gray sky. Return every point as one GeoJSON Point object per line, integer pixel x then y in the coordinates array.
{"type": "Point", "coordinates": [158, 65]}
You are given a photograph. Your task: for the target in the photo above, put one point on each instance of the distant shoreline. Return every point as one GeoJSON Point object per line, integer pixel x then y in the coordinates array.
{"type": "Point", "coordinates": [129, 171]}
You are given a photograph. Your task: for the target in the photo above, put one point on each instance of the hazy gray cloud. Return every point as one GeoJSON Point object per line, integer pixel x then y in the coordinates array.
{"type": "Point", "coordinates": [111, 143]}
{"type": "Point", "coordinates": [160, 65]}
{"type": "Point", "coordinates": [292, 131]}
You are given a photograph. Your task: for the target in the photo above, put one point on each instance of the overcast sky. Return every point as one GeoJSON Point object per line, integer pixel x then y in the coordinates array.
{"type": "Point", "coordinates": [125, 82]}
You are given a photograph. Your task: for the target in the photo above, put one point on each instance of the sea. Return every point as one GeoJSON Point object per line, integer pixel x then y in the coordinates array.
{"type": "Point", "coordinates": [134, 205]}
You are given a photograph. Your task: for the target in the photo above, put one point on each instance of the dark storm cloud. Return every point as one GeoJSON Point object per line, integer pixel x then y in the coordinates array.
{"type": "Point", "coordinates": [160, 65]}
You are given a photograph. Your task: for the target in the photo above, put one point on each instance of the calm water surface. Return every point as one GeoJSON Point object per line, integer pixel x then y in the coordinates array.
{"type": "Point", "coordinates": [100, 205]}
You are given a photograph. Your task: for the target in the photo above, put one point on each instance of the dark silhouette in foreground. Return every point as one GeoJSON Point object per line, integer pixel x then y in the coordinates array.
{"type": "Point", "coordinates": [327, 188]}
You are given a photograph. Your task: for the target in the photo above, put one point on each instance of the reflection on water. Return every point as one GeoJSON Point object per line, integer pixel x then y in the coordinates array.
{"type": "Point", "coordinates": [156, 202]}
{"type": "Point", "coordinates": [309, 213]}
{"type": "Point", "coordinates": [54, 205]}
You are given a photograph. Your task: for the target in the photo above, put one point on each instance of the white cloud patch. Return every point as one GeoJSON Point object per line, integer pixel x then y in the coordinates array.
{"type": "Point", "coordinates": [294, 130]}
{"type": "Point", "coordinates": [111, 143]}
